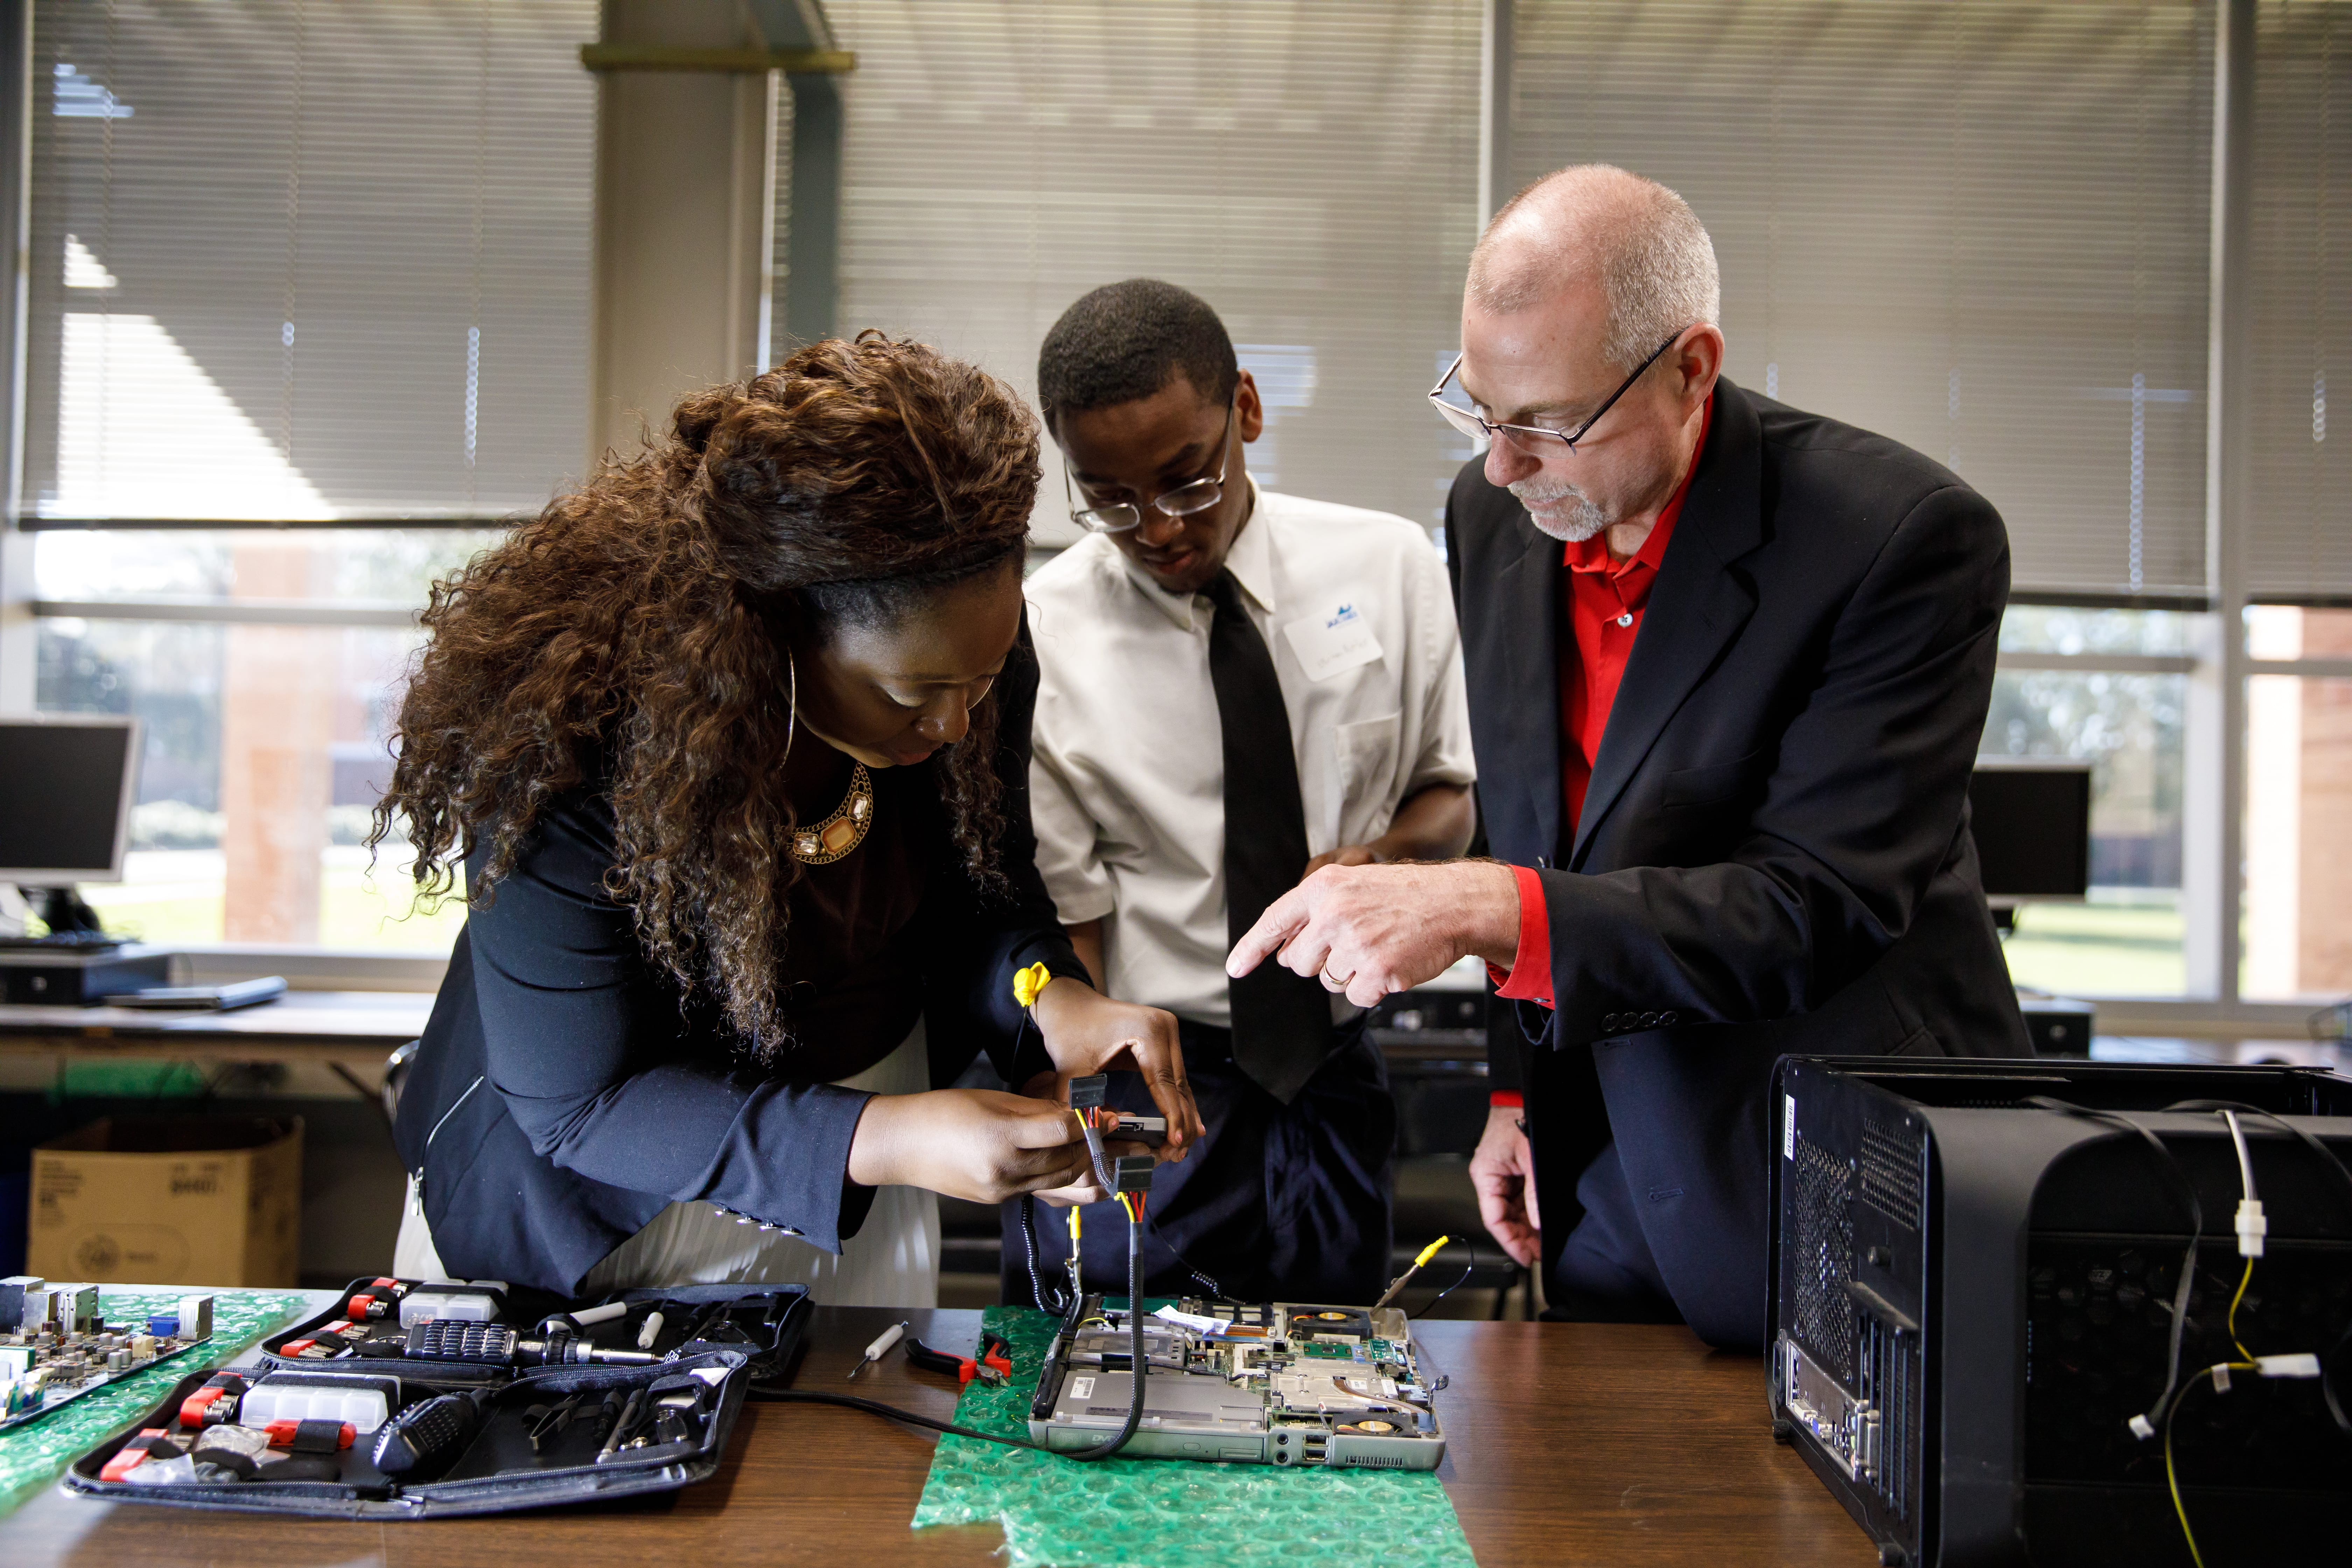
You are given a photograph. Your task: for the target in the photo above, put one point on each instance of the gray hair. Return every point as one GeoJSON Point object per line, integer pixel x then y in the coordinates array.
{"type": "Point", "coordinates": [1655, 261]}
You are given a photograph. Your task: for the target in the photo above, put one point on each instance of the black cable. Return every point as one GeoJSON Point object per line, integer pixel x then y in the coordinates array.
{"type": "Point", "coordinates": [1138, 1362]}
{"type": "Point", "coordinates": [2326, 1389]}
{"type": "Point", "coordinates": [2196, 1234]}
{"type": "Point", "coordinates": [1102, 1450]}
{"type": "Point", "coordinates": [1463, 1279]}
{"type": "Point", "coordinates": [1048, 1302]}
{"type": "Point", "coordinates": [876, 1407]}
{"type": "Point", "coordinates": [2343, 1173]}
{"type": "Point", "coordinates": [1182, 1262]}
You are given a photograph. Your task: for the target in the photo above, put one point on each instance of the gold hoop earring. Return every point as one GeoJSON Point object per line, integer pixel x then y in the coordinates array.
{"type": "Point", "coordinates": [793, 703]}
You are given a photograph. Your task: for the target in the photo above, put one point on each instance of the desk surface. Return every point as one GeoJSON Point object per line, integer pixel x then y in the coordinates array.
{"type": "Point", "coordinates": [359, 1027]}
{"type": "Point", "coordinates": [1567, 1443]}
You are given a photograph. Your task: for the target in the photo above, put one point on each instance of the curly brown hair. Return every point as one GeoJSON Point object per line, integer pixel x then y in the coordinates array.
{"type": "Point", "coordinates": [646, 616]}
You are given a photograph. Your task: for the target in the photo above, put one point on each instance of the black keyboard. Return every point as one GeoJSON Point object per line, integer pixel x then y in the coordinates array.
{"type": "Point", "coordinates": [65, 942]}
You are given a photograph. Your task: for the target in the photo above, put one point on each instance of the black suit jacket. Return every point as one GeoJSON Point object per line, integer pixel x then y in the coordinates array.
{"type": "Point", "coordinates": [1774, 854]}
{"type": "Point", "coordinates": [563, 1096]}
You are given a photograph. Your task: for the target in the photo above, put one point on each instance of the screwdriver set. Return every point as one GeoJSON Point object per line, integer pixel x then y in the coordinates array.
{"type": "Point", "coordinates": [481, 1402]}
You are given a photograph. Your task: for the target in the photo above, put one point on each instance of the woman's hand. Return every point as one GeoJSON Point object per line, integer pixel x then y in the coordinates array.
{"type": "Point", "coordinates": [1087, 1032]}
{"type": "Point", "coordinates": [982, 1145]}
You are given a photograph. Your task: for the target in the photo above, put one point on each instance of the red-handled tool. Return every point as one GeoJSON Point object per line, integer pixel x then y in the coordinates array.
{"type": "Point", "coordinates": [204, 1407]}
{"type": "Point", "coordinates": [992, 1365]}
{"type": "Point", "coordinates": [320, 1434]}
{"type": "Point", "coordinates": [375, 1300]}
{"type": "Point", "coordinates": [133, 1454]}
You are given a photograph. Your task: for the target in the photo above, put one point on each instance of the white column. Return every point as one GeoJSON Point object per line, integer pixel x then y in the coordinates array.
{"type": "Point", "coordinates": [684, 175]}
{"type": "Point", "coordinates": [2215, 802]}
{"type": "Point", "coordinates": [1495, 185]}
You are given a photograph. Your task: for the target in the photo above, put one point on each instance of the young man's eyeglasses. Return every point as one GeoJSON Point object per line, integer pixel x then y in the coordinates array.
{"type": "Point", "coordinates": [1534, 439]}
{"type": "Point", "coordinates": [1194, 495]}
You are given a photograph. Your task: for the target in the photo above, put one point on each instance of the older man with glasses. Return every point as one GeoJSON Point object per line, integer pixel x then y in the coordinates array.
{"type": "Point", "coordinates": [1236, 686]}
{"type": "Point", "coordinates": [1729, 664]}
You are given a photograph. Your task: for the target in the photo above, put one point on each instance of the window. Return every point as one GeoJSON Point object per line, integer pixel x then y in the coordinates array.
{"type": "Point", "coordinates": [1979, 228]}
{"type": "Point", "coordinates": [2298, 926]}
{"type": "Point", "coordinates": [1308, 168]}
{"type": "Point", "coordinates": [309, 263]}
{"type": "Point", "coordinates": [267, 700]}
{"type": "Point", "coordinates": [308, 260]}
{"type": "Point", "coordinates": [2300, 541]}
{"type": "Point", "coordinates": [2109, 688]}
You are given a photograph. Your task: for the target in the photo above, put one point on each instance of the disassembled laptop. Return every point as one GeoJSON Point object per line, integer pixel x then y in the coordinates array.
{"type": "Point", "coordinates": [1280, 1385]}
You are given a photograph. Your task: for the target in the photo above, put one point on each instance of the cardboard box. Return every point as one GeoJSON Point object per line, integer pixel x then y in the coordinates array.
{"type": "Point", "coordinates": [170, 1200]}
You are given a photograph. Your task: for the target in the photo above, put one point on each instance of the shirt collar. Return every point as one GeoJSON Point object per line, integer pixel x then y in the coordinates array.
{"type": "Point", "coordinates": [1251, 561]}
{"type": "Point", "coordinates": [1592, 554]}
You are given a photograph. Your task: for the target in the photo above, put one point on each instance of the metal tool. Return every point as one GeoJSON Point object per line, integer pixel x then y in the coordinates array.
{"type": "Point", "coordinates": [628, 1414]}
{"type": "Point", "coordinates": [880, 1346]}
{"type": "Point", "coordinates": [992, 1364]}
{"type": "Point", "coordinates": [1388, 1296]}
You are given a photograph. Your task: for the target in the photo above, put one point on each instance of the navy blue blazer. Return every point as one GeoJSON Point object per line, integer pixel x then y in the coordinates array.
{"type": "Point", "coordinates": [1774, 854]}
{"type": "Point", "coordinates": [562, 1096]}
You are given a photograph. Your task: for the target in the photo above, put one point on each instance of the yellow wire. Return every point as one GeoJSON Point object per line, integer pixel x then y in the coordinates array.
{"type": "Point", "coordinates": [2171, 1478]}
{"type": "Point", "coordinates": [2173, 1481]}
{"type": "Point", "coordinates": [2243, 1280]}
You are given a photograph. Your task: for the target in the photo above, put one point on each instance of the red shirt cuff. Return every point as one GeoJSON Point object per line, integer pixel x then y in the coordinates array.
{"type": "Point", "coordinates": [1530, 976]}
{"type": "Point", "coordinates": [1507, 1099]}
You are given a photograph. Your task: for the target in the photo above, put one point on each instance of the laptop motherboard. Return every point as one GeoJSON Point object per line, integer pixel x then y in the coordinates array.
{"type": "Point", "coordinates": [1277, 1384]}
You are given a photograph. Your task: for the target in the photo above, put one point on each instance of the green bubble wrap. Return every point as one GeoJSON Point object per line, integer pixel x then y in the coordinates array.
{"type": "Point", "coordinates": [37, 1453]}
{"type": "Point", "coordinates": [1170, 1514]}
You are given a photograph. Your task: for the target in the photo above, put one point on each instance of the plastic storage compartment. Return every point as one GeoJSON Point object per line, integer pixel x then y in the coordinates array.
{"type": "Point", "coordinates": [362, 1401]}
{"type": "Point", "coordinates": [501, 1437]}
{"type": "Point", "coordinates": [468, 1306]}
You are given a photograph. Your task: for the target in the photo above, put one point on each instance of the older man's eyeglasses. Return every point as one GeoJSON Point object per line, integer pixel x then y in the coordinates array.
{"type": "Point", "coordinates": [1533, 439]}
{"type": "Point", "coordinates": [1194, 495]}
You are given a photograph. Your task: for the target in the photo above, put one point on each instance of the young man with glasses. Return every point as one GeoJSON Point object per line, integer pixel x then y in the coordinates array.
{"type": "Point", "coordinates": [1236, 688]}
{"type": "Point", "coordinates": [1728, 664]}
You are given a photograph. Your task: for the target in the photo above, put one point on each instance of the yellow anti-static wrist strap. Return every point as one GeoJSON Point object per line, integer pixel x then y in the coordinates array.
{"type": "Point", "coordinates": [1429, 1251]}
{"type": "Point", "coordinates": [1027, 983]}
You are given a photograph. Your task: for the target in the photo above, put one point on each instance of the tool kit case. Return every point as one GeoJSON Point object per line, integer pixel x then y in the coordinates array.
{"type": "Point", "coordinates": [507, 1403]}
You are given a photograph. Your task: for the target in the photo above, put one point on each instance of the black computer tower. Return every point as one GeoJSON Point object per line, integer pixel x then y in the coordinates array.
{"type": "Point", "coordinates": [1971, 1296]}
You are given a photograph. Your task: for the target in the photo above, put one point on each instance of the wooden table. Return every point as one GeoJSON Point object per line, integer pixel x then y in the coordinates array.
{"type": "Point", "coordinates": [1567, 1443]}
{"type": "Point", "coordinates": [353, 1029]}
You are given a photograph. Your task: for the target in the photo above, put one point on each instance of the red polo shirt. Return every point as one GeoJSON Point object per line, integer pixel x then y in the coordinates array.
{"type": "Point", "coordinates": [1605, 600]}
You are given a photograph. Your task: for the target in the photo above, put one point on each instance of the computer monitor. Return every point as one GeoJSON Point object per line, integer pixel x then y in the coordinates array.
{"type": "Point", "coordinates": [2031, 819]}
{"type": "Point", "coordinates": [66, 787]}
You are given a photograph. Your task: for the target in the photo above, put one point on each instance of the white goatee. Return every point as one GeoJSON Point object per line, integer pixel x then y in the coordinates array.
{"type": "Point", "coordinates": [1584, 519]}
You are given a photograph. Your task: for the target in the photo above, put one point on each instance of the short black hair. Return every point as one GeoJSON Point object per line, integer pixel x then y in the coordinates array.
{"type": "Point", "coordinates": [1127, 341]}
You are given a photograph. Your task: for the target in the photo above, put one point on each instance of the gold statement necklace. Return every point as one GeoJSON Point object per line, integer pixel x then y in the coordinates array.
{"type": "Point", "coordinates": [844, 830]}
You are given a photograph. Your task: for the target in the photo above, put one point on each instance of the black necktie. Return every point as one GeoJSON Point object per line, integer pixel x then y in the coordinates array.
{"type": "Point", "coordinates": [1282, 1022]}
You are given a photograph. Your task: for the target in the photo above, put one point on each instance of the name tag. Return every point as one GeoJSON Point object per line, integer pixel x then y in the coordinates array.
{"type": "Point", "coordinates": [1332, 643]}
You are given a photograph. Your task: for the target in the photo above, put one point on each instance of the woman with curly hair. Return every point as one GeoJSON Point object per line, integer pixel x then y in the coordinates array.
{"type": "Point", "coordinates": [732, 745]}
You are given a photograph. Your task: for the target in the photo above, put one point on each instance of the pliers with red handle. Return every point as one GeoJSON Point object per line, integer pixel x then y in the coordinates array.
{"type": "Point", "coordinates": [992, 1365]}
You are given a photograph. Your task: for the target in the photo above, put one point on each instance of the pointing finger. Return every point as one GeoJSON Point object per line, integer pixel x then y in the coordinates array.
{"type": "Point", "coordinates": [1283, 918]}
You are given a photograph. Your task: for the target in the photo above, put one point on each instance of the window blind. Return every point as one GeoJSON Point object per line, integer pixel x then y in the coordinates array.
{"type": "Point", "coordinates": [307, 260]}
{"type": "Point", "coordinates": [1309, 167]}
{"type": "Point", "coordinates": [1978, 228]}
{"type": "Point", "coordinates": [2299, 534]}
